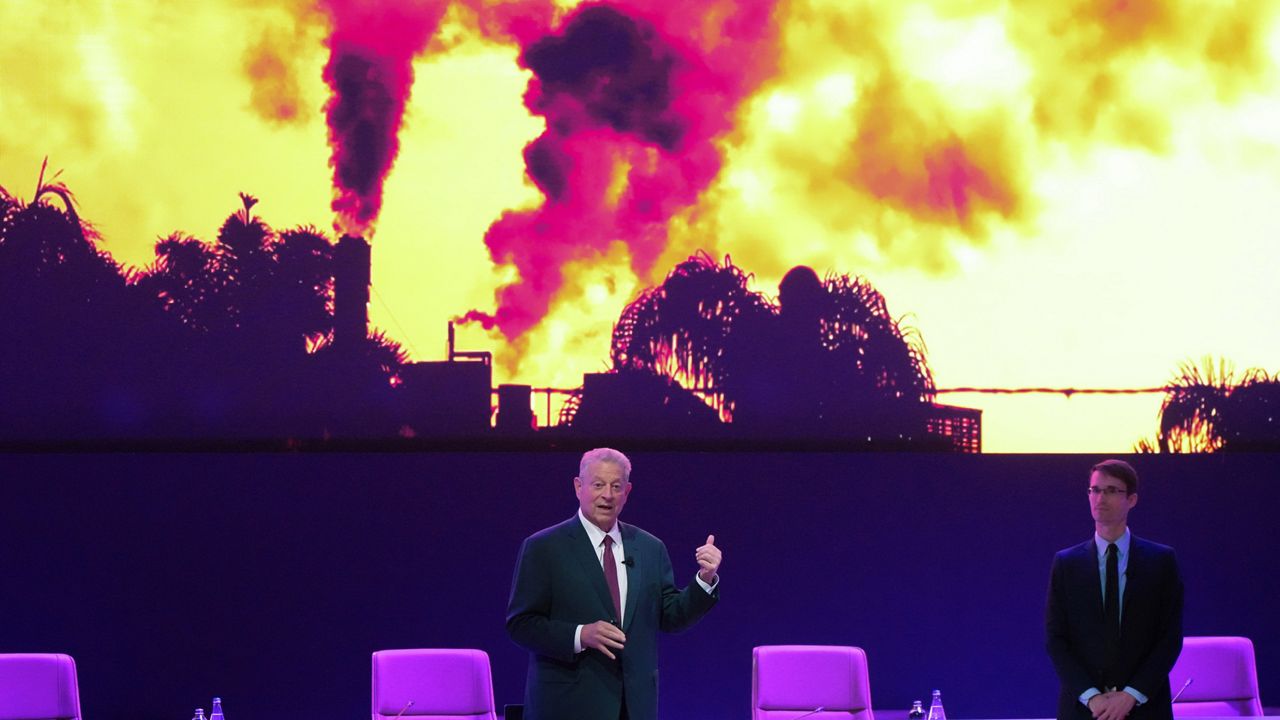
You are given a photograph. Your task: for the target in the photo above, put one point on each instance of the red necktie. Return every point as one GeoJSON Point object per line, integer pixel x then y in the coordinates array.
{"type": "Point", "coordinates": [611, 578]}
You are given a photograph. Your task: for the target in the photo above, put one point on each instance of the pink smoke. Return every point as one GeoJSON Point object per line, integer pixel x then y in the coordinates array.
{"type": "Point", "coordinates": [370, 72]}
{"type": "Point", "coordinates": [644, 87]}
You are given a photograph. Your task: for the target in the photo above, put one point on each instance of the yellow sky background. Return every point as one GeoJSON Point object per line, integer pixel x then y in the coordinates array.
{"type": "Point", "coordinates": [1146, 180]}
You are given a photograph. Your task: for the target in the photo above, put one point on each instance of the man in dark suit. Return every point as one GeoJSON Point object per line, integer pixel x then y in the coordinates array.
{"type": "Point", "coordinates": [1114, 616]}
{"type": "Point", "coordinates": [589, 597]}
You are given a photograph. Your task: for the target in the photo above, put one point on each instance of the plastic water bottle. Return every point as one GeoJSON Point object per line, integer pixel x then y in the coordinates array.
{"type": "Point", "coordinates": [199, 714]}
{"type": "Point", "coordinates": [935, 708]}
{"type": "Point", "coordinates": [917, 711]}
{"type": "Point", "coordinates": [216, 712]}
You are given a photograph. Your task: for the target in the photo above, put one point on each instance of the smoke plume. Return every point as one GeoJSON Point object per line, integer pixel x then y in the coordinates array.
{"type": "Point", "coordinates": [635, 96]}
{"type": "Point", "coordinates": [370, 74]}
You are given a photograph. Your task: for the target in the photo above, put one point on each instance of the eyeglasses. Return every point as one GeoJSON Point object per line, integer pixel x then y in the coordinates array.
{"type": "Point", "coordinates": [1109, 491]}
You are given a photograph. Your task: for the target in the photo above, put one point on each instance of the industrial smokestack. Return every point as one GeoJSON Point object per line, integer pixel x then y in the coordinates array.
{"type": "Point", "coordinates": [351, 277]}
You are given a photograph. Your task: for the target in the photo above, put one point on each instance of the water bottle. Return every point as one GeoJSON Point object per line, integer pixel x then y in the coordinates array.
{"type": "Point", "coordinates": [917, 711]}
{"type": "Point", "coordinates": [199, 714]}
{"type": "Point", "coordinates": [935, 708]}
{"type": "Point", "coordinates": [216, 712]}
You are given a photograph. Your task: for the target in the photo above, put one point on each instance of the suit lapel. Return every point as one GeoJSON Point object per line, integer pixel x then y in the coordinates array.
{"type": "Point", "coordinates": [1089, 565]}
{"type": "Point", "coordinates": [630, 547]}
{"type": "Point", "coordinates": [1132, 578]}
{"type": "Point", "coordinates": [580, 547]}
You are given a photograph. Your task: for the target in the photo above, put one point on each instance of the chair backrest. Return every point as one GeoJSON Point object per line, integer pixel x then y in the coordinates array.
{"type": "Point", "coordinates": [38, 687]}
{"type": "Point", "coordinates": [1223, 674]}
{"type": "Point", "coordinates": [439, 684]}
{"type": "Point", "coordinates": [787, 680]}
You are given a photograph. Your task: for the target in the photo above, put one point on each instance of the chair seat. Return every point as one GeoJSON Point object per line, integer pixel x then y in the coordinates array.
{"type": "Point", "coordinates": [441, 684]}
{"type": "Point", "coordinates": [38, 687]}
{"type": "Point", "coordinates": [1223, 678]}
{"type": "Point", "coordinates": [825, 680]}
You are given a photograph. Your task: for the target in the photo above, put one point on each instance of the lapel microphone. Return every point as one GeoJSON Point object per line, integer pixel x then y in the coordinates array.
{"type": "Point", "coordinates": [629, 562]}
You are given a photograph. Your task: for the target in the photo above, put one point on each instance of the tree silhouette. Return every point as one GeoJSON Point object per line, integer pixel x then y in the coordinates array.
{"type": "Point", "coordinates": [1207, 409]}
{"type": "Point", "coordinates": [301, 291]}
{"type": "Point", "coordinates": [261, 306]}
{"type": "Point", "coordinates": [76, 343]}
{"type": "Point", "coordinates": [182, 278]}
{"type": "Point", "coordinates": [680, 329]}
{"type": "Point", "coordinates": [825, 360]}
{"type": "Point", "coordinates": [269, 290]}
{"type": "Point", "coordinates": [231, 339]}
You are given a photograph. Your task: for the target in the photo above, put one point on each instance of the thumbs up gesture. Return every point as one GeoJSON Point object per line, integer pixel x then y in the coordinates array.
{"type": "Point", "coordinates": [708, 557]}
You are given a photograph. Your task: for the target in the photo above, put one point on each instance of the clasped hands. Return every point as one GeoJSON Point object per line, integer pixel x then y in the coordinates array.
{"type": "Point", "coordinates": [1114, 705]}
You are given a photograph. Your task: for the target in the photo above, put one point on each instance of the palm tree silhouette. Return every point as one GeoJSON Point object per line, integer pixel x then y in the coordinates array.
{"type": "Point", "coordinates": [827, 359]}
{"type": "Point", "coordinates": [301, 286]}
{"type": "Point", "coordinates": [253, 286]}
{"type": "Point", "coordinates": [211, 340]}
{"type": "Point", "coordinates": [1207, 408]}
{"type": "Point", "coordinates": [261, 303]}
{"type": "Point", "coordinates": [680, 329]}
{"type": "Point", "coordinates": [72, 335]}
{"type": "Point", "coordinates": [182, 278]}
{"type": "Point", "coordinates": [47, 242]}
{"type": "Point", "coordinates": [275, 288]}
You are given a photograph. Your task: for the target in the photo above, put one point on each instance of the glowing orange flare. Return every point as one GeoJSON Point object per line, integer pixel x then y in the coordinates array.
{"type": "Point", "coordinates": [276, 94]}
{"type": "Point", "coordinates": [926, 169]}
{"type": "Point", "coordinates": [1087, 56]}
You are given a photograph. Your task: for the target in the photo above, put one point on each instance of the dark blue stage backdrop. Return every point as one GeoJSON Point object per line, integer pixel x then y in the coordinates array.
{"type": "Point", "coordinates": [269, 579]}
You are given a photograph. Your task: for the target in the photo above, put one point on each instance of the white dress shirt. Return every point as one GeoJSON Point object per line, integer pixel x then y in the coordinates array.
{"type": "Point", "coordinates": [1122, 561]}
{"type": "Point", "coordinates": [597, 541]}
{"type": "Point", "coordinates": [1122, 557]}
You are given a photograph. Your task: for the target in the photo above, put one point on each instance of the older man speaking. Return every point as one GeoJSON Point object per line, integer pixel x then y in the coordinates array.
{"type": "Point", "coordinates": [589, 597]}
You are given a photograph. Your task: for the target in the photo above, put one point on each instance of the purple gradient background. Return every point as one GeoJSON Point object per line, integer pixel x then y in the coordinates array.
{"type": "Point", "coordinates": [269, 579]}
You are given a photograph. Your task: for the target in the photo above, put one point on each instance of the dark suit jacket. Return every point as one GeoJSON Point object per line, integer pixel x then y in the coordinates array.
{"type": "Point", "coordinates": [559, 585]}
{"type": "Point", "coordinates": [1150, 628]}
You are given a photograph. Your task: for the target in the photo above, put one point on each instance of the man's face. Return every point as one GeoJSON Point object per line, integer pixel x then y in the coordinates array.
{"type": "Point", "coordinates": [601, 493]}
{"type": "Point", "coordinates": [1112, 505]}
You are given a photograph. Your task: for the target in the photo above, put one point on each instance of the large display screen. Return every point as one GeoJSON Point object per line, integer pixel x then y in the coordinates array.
{"type": "Point", "coordinates": [1030, 225]}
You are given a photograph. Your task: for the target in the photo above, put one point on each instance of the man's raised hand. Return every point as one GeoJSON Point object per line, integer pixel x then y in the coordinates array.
{"type": "Point", "coordinates": [708, 557]}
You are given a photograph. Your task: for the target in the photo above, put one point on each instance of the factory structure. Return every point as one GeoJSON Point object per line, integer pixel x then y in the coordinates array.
{"type": "Point", "coordinates": [454, 398]}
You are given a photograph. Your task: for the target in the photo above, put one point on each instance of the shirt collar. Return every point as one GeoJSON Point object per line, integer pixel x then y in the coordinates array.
{"type": "Point", "coordinates": [1122, 545]}
{"type": "Point", "coordinates": [596, 534]}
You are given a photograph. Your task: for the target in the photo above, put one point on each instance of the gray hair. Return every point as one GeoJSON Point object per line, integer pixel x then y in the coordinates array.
{"type": "Point", "coordinates": [609, 455]}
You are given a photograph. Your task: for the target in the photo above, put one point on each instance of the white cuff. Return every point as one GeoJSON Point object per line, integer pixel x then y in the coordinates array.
{"type": "Point", "coordinates": [1142, 699]}
{"type": "Point", "coordinates": [1088, 695]}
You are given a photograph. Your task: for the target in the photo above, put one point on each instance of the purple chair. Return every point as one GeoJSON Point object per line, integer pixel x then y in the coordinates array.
{"type": "Point", "coordinates": [38, 687]}
{"type": "Point", "coordinates": [788, 681]}
{"type": "Point", "coordinates": [1224, 678]}
{"type": "Point", "coordinates": [438, 684]}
